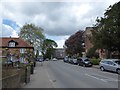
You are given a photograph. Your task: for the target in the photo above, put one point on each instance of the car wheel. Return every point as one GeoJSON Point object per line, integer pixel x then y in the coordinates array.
{"type": "Point", "coordinates": [118, 71]}
{"type": "Point", "coordinates": [83, 65]}
{"type": "Point", "coordinates": [102, 68]}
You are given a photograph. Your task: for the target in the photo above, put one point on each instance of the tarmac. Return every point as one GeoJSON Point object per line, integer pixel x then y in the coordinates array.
{"type": "Point", "coordinates": [40, 78]}
{"type": "Point", "coordinates": [96, 66]}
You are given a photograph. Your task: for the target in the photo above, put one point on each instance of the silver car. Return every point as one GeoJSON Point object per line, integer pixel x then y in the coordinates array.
{"type": "Point", "coordinates": [110, 65]}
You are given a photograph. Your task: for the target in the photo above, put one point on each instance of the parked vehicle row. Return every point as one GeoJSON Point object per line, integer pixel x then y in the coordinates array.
{"type": "Point", "coordinates": [104, 65]}
{"type": "Point", "coordinates": [81, 61]}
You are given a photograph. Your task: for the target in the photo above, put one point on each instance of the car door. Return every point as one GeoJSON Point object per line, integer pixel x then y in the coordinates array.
{"type": "Point", "coordinates": [104, 64]}
{"type": "Point", "coordinates": [110, 66]}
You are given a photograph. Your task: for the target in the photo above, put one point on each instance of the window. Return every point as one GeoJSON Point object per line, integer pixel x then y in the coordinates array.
{"type": "Point", "coordinates": [105, 62]}
{"type": "Point", "coordinates": [110, 63]}
{"type": "Point", "coordinates": [12, 44]}
{"type": "Point", "coordinates": [22, 50]}
{"type": "Point", "coordinates": [21, 59]}
{"type": "Point", "coordinates": [86, 60]}
{"type": "Point", "coordinates": [118, 62]}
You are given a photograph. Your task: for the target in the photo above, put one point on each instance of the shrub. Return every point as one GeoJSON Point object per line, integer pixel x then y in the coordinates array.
{"type": "Point", "coordinates": [95, 61]}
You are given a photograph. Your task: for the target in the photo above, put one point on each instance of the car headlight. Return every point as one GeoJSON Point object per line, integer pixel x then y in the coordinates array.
{"type": "Point", "coordinates": [86, 62]}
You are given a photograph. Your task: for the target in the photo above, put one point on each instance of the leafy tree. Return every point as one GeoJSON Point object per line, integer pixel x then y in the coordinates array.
{"type": "Point", "coordinates": [107, 30]}
{"type": "Point", "coordinates": [48, 48]}
{"type": "Point", "coordinates": [92, 53]}
{"type": "Point", "coordinates": [74, 44]}
{"type": "Point", "coordinates": [49, 53]}
{"type": "Point", "coordinates": [33, 35]}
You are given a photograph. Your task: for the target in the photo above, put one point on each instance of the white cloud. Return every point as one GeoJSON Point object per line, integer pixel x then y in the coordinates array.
{"type": "Point", "coordinates": [14, 34]}
{"type": "Point", "coordinates": [55, 18]}
{"type": "Point", "coordinates": [61, 41]}
{"type": "Point", "coordinates": [58, 39]}
{"type": "Point", "coordinates": [7, 31]}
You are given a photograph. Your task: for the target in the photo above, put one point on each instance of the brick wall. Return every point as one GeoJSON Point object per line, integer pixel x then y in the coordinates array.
{"type": "Point", "coordinates": [16, 80]}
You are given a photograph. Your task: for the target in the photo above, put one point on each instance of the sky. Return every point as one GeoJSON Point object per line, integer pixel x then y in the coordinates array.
{"type": "Point", "coordinates": [58, 18]}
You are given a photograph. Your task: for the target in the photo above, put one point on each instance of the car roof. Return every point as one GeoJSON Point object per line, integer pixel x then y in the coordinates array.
{"type": "Point", "coordinates": [110, 60]}
{"type": "Point", "coordinates": [84, 58]}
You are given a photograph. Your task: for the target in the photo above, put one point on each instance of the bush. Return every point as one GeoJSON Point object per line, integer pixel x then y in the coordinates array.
{"type": "Point", "coordinates": [95, 61]}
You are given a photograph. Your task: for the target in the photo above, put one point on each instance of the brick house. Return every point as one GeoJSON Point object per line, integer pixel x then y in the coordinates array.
{"type": "Point", "coordinates": [88, 44]}
{"type": "Point", "coordinates": [87, 36]}
{"type": "Point", "coordinates": [16, 49]}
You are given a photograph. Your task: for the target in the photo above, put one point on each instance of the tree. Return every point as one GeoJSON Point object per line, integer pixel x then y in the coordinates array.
{"type": "Point", "coordinates": [107, 30]}
{"type": "Point", "coordinates": [74, 44]}
{"type": "Point", "coordinates": [92, 53]}
{"type": "Point", "coordinates": [48, 48]}
{"type": "Point", "coordinates": [49, 53]}
{"type": "Point", "coordinates": [33, 35]}
{"type": "Point", "coordinates": [37, 54]}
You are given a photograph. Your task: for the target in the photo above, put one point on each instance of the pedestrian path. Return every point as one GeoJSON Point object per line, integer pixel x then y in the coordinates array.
{"type": "Point", "coordinates": [40, 77]}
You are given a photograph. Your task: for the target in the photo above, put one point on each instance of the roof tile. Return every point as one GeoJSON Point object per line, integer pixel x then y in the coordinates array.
{"type": "Point", "coordinates": [21, 42]}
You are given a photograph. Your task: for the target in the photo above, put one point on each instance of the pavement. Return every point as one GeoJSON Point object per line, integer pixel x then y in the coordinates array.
{"type": "Point", "coordinates": [40, 78]}
{"type": "Point", "coordinates": [96, 66]}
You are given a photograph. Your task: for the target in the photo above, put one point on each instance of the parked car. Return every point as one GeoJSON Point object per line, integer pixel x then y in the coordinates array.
{"type": "Point", "coordinates": [84, 62]}
{"type": "Point", "coordinates": [47, 59]}
{"type": "Point", "coordinates": [54, 59]}
{"type": "Point", "coordinates": [66, 59]}
{"type": "Point", "coordinates": [70, 60]}
{"type": "Point", "coordinates": [110, 65]}
{"type": "Point", "coordinates": [75, 61]}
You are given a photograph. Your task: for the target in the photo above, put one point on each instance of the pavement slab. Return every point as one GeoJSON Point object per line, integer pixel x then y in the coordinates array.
{"type": "Point", "coordinates": [40, 77]}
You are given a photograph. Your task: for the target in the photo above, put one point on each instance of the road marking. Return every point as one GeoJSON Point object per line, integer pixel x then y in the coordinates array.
{"type": "Point", "coordinates": [107, 79]}
{"type": "Point", "coordinates": [96, 78]}
{"type": "Point", "coordinates": [50, 79]}
{"type": "Point", "coordinates": [113, 80]}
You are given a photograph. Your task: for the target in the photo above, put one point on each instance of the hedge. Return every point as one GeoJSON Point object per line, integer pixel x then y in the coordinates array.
{"type": "Point", "coordinates": [95, 61]}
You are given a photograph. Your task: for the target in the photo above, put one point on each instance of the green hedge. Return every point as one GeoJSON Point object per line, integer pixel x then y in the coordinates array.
{"type": "Point", "coordinates": [95, 61]}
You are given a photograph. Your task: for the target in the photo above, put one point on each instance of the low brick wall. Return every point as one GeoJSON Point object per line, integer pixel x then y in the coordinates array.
{"type": "Point", "coordinates": [17, 80]}
{"type": "Point", "coordinates": [12, 81]}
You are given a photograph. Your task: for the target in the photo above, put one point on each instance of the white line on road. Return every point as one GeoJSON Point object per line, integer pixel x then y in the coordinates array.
{"type": "Point", "coordinates": [108, 79]}
{"type": "Point", "coordinates": [96, 77]}
{"type": "Point", "coordinates": [112, 80]}
{"type": "Point", "coordinates": [50, 79]}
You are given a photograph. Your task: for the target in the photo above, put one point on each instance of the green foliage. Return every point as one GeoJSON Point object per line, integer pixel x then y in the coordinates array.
{"type": "Point", "coordinates": [48, 48]}
{"type": "Point", "coordinates": [92, 53]}
{"type": "Point", "coordinates": [107, 30]}
{"type": "Point", "coordinates": [49, 53]}
{"type": "Point", "coordinates": [95, 61]}
{"type": "Point", "coordinates": [33, 35]}
{"type": "Point", "coordinates": [74, 44]}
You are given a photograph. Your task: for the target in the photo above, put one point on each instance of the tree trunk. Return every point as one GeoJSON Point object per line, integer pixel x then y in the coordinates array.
{"type": "Point", "coordinates": [108, 53]}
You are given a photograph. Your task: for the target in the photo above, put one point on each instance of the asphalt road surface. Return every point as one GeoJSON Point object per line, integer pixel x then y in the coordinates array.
{"type": "Point", "coordinates": [64, 75]}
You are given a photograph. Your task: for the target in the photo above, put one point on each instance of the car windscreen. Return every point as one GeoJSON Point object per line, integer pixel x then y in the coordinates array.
{"type": "Point", "coordinates": [86, 60]}
{"type": "Point", "coordinates": [118, 62]}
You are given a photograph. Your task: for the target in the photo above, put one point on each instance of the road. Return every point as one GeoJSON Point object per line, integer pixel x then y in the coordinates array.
{"type": "Point", "coordinates": [64, 75]}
